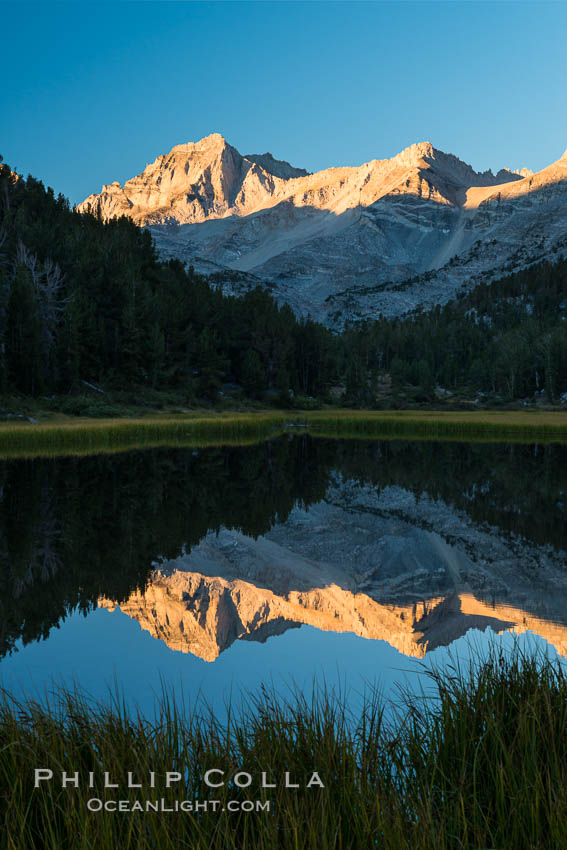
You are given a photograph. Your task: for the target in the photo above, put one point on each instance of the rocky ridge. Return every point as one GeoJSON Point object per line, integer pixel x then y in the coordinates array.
{"type": "Point", "coordinates": [344, 243]}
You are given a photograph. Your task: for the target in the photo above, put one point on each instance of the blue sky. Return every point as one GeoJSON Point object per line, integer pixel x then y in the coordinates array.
{"type": "Point", "coordinates": [92, 92]}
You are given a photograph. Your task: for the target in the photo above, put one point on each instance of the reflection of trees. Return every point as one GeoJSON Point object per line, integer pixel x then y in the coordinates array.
{"type": "Point", "coordinates": [45, 555]}
{"type": "Point", "coordinates": [520, 489]}
{"type": "Point", "coordinates": [74, 529]}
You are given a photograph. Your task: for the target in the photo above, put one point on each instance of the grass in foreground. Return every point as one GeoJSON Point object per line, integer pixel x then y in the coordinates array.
{"type": "Point", "coordinates": [483, 764]}
{"type": "Point", "coordinates": [84, 436]}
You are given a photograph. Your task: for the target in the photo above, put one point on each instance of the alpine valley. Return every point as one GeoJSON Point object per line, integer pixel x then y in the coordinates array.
{"type": "Point", "coordinates": [348, 243]}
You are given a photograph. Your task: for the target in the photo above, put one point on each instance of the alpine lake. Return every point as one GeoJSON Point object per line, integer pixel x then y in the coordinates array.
{"type": "Point", "coordinates": [296, 563]}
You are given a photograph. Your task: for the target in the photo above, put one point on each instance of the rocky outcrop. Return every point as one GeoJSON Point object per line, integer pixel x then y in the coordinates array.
{"type": "Point", "coordinates": [345, 243]}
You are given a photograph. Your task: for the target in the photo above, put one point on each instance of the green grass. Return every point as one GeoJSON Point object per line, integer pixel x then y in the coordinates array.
{"type": "Point", "coordinates": [87, 436]}
{"type": "Point", "coordinates": [436, 424]}
{"type": "Point", "coordinates": [108, 435]}
{"type": "Point", "coordinates": [481, 764]}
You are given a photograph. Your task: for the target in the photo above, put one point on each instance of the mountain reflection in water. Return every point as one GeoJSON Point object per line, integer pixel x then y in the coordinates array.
{"type": "Point", "coordinates": [403, 585]}
{"type": "Point", "coordinates": [410, 543]}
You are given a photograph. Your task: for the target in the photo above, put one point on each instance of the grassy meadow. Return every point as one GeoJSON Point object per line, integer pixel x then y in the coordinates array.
{"type": "Point", "coordinates": [88, 436]}
{"type": "Point", "coordinates": [442, 424]}
{"type": "Point", "coordinates": [70, 435]}
{"type": "Point", "coordinates": [480, 763]}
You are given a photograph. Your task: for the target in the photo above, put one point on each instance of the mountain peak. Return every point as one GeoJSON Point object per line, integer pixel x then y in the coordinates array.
{"type": "Point", "coordinates": [318, 238]}
{"type": "Point", "coordinates": [414, 153]}
{"type": "Point", "coordinates": [214, 140]}
{"type": "Point", "coordinates": [424, 148]}
{"type": "Point", "coordinates": [209, 178]}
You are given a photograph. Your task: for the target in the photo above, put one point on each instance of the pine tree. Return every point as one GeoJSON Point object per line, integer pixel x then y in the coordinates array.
{"type": "Point", "coordinates": [23, 334]}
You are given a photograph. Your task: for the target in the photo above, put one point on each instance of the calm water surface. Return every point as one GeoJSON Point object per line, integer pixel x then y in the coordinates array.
{"type": "Point", "coordinates": [294, 562]}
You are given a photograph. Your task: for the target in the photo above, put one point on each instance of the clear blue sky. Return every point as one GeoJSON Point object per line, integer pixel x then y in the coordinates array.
{"type": "Point", "coordinates": [91, 92]}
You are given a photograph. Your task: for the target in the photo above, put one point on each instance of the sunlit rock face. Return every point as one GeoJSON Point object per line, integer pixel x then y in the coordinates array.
{"type": "Point", "coordinates": [361, 561]}
{"type": "Point", "coordinates": [195, 182]}
{"type": "Point", "coordinates": [344, 243]}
